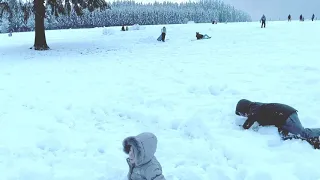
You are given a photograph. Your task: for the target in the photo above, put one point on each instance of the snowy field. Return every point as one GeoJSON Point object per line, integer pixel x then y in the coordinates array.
{"type": "Point", "coordinates": [65, 112]}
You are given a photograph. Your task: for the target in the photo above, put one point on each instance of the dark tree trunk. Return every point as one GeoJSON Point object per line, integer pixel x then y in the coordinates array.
{"type": "Point", "coordinates": [40, 42]}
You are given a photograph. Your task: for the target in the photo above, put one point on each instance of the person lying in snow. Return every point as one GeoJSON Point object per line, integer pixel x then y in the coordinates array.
{"type": "Point", "coordinates": [143, 165]}
{"type": "Point", "coordinates": [284, 117]}
{"type": "Point", "coordinates": [200, 36]}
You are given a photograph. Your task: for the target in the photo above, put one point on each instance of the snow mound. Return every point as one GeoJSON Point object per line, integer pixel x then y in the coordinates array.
{"type": "Point", "coordinates": [108, 31]}
{"type": "Point", "coordinates": [190, 22]}
{"type": "Point", "coordinates": [137, 27]}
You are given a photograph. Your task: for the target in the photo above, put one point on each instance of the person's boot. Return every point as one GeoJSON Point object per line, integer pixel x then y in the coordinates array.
{"type": "Point", "coordinates": [315, 142]}
{"type": "Point", "coordinates": [283, 133]}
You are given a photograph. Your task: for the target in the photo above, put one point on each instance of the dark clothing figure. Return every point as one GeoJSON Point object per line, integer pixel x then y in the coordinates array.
{"type": "Point", "coordinates": [263, 21]}
{"type": "Point", "coordinates": [163, 34]}
{"type": "Point", "coordinates": [312, 18]}
{"type": "Point", "coordinates": [284, 117]}
{"type": "Point", "coordinates": [289, 17]}
{"type": "Point", "coordinates": [301, 17]}
{"type": "Point", "coordinates": [163, 37]}
{"type": "Point", "coordinates": [123, 29]}
{"type": "Point", "coordinates": [200, 36]}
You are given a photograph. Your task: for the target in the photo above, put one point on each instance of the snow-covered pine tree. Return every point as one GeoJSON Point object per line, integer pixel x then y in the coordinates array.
{"type": "Point", "coordinates": [65, 13]}
{"type": "Point", "coordinates": [4, 23]}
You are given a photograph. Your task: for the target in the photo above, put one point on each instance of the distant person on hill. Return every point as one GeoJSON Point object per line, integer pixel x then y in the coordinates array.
{"type": "Point", "coordinates": [127, 28]}
{"type": "Point", "coordinates": [163, 33]}
{"type": "Point", "coordinates": [263, 21]}
{"type": "Point", "coordinates": [312, 18]}
{"type": "Point", "coordinates": [284, 117]}
{"type": "Point", "coordinates": [122, 28]}
{"type": "Point", "coordinates": [200, 36]}
{"type": "Point", "coordinates": [301, 17]}
{"type": "Point", "coordinates": [289, 17]}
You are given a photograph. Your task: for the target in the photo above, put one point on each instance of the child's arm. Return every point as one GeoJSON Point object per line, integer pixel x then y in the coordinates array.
{"type": "Point", "coordinates": [252, 117]}
{"type": "Point", "coordinates": [249, 122]}
{"type": "Point", "coordinates": [154, 172]}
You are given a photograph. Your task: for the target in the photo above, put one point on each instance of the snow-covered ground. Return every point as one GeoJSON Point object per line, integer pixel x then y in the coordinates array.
{"type": "Point", "coordinates": [65, 112]}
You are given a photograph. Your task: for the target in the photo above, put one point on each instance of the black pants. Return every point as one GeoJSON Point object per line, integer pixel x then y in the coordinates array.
{"type": "Point", "coordinates": [263, 24]}
{"type": "Point", "coordinates": [163, 36]}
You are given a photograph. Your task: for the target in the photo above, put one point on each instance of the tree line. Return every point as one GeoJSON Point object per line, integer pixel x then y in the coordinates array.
{"type": "Point", "coordinates": [118, 13]}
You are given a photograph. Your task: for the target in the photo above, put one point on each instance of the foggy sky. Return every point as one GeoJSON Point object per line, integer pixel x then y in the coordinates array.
{"type": "Point", "coordinates": [276, 9]}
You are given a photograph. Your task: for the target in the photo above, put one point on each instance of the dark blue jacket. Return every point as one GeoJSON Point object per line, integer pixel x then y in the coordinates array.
{"type": "Point", "coordinates": [268, 114]}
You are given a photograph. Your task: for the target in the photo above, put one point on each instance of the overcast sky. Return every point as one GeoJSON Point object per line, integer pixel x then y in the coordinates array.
{"type": "Point", "coordinates": [276, 9]}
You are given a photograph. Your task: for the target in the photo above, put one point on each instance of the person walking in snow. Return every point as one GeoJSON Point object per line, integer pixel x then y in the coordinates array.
{"type": "Point", "coordinates": [284, 117]}
{"type": "Point", "coordinates": [301, 17]}
{"type": "Point", "coordinates": [289, 17]}
{"type": "Point", "coordinates": [200, 36]}
{"type": "Point", "coordinates": [163, 33]}
{"type": "Point", "coordinates": [312, 18]}
{"type": "Point", "coordinates": [143, 165]}
{"type": "Point", "coordinates": [263, 21]}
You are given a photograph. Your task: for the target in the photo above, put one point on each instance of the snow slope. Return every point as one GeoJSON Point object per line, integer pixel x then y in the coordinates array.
{"type": "Point", "coordinates": [65, 112]}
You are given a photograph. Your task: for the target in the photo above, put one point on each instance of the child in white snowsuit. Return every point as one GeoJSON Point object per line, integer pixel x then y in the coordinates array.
{"type": "Point", "coordinates": [143, 165]}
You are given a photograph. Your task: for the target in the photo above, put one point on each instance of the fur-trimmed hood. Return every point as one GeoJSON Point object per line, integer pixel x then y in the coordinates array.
{"type": "Point", "coordinates": [144, 146]}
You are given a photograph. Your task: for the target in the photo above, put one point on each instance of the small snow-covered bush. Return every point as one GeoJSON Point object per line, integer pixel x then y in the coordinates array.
{"type": "Point", "coordinates": [185, 20]}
